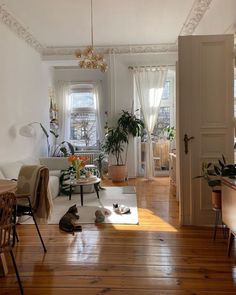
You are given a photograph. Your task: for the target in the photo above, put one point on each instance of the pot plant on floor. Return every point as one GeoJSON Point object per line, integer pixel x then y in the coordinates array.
{"type": "Point", "coordinates": [117, 140]}
{"type": "Point", "coordinates": [212, 174]}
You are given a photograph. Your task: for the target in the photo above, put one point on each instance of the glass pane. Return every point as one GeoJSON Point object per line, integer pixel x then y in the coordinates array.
{"type": "Point", "coordinates": [166, 90]}
{"type": "Point", "coordinates": [82, 100]}
{"type": "Point", "coordinates": [83, 129]}
{"type": "Point", "coordinates": [163, 121]}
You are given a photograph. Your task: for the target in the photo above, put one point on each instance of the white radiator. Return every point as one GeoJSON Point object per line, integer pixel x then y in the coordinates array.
{"type": "Point", "coordinates": [91, 155]}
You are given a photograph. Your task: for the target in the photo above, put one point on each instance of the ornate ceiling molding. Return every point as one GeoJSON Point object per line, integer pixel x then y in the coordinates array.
{"type": "Point", "coordinates": [198, 10]}
{"type": "Point", "coordinates": [196, 14]}
{"type": "Point", "coordinates": [14, 25]}
{"type": "Point", "coordinates": [123, 49]}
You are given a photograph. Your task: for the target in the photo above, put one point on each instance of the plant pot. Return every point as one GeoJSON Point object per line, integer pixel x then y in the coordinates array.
{"type": "Point", "coordinates": [216, 199]}
{"type": "Point", "coordinates": [117, 173]}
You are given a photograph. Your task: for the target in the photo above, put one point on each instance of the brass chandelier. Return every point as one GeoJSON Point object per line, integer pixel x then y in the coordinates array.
{"type": "Point", "coordinates": [89, 59]}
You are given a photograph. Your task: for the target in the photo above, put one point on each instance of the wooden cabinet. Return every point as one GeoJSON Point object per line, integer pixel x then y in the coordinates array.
{"type": "Point", "coordinates": [229, 207]}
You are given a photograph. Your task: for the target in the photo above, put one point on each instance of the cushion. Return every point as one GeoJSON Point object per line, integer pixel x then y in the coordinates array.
{"type": "Point", "coordinates": [55, 163]}
{"type": "Point", "coordinates": [11, 170]}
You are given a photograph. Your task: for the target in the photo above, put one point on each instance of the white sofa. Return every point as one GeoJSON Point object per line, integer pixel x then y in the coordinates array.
{"type": "Point", "coordinates": [10, 170]}
{"type": "Point", "coordinates": [56, 164]}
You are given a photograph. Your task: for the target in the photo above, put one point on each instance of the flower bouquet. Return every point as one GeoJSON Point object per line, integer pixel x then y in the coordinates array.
{"type": "Point", "coordinates": [77, 164]}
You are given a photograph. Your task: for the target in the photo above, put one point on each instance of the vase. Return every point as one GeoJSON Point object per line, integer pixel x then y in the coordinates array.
{"type": "Point", "coordinates": [78, 174]}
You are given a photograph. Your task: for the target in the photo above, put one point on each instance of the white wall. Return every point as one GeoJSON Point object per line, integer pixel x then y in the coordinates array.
{"type": "Point", "coordinates": [23, 97]}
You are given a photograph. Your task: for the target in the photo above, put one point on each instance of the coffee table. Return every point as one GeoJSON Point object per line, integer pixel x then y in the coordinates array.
{"type": "Point", "coordinates": [81, 183]}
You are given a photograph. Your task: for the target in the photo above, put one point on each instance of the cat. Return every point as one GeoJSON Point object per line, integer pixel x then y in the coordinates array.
{"type": "Point", "coordinates": [68, 222]}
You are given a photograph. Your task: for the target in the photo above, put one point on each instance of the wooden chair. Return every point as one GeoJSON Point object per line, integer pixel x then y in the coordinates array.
{"type": "Point", "coordinates": [7, 229]}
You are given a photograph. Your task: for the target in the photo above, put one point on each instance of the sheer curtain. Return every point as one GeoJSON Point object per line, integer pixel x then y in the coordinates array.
{"type": "Point", "coordinates": [100, 110]}
{"type": "Point", "coordinates": [63, 90]}
{"type": "Point", "coordinates": [149, 83]}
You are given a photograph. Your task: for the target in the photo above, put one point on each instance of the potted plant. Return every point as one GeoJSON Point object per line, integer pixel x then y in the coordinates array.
{"type": "Point", "coordinates": [212, 174]}
{"type": "Point", "coordinates": [117, 139]}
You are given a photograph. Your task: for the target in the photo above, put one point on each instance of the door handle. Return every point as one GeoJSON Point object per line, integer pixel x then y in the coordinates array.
{"type": "Point", "coordinates": [186, 140]}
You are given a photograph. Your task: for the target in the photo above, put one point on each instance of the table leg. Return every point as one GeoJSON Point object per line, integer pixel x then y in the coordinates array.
{"type": "Point", "coordinates": [70, 192]}
{"type": "Point", "coordinates": [81, 195]}
{"type": "Point", "coordinates": [96, 189]}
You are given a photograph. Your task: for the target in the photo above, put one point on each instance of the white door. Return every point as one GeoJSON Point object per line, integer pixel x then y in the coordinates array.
{"type": "Point", "coordinates": [205, 112]}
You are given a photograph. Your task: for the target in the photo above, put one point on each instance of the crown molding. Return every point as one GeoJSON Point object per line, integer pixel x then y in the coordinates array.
{"type": "Point", "coordinates": [196, 14]}
{"type": "Point", "coordinates": [119, 49]}
{"type": "Point", "coordinates": [14, 25]}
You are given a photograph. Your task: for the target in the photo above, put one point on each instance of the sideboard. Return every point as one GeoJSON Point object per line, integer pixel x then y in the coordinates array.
{"type": "Point", "coordinates": [229, 207]}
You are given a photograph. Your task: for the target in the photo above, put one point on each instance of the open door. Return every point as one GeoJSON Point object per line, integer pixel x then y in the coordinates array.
{"type": "Point", "coordinates": [204, 118]}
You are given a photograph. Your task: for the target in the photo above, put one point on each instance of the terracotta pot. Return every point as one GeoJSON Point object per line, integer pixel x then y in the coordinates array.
{"type": "Point", "coordinates": [216, 199]}
{"type": "Point", "coordinates": [117, 173]}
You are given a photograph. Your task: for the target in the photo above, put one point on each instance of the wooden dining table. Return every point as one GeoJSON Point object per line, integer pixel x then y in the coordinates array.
{"type": "Point", "coordinates": [5, 186]}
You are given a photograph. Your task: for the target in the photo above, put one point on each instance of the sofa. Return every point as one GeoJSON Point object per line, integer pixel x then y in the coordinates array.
{"type": "Point", "coordinates": [10, 170]}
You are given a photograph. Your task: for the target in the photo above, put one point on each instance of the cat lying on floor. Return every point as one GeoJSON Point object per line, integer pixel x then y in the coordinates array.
{"type": "Point", "coordinates": [69, 221]}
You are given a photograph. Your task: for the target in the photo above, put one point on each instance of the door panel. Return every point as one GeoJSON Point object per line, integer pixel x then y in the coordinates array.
{"type": "Point", "coordinates": [205, 111]}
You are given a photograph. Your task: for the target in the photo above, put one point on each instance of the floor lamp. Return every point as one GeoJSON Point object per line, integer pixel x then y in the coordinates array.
{"type": "Point", "coordinates": [29, 131]}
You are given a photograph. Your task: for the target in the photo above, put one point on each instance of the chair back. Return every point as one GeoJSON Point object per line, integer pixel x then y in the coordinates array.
{"type": "Point", "coordinates": [33, 181]}
{"type": "Point", "coordinates": [7, 222]}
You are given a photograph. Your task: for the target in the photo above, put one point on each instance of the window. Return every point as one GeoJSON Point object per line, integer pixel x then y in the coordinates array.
{"type": "Point", "coordinates": [83, 127]}
{"type": "Point", "coordinates": [162, 122]}
{"type": "Point", "coordinates": [166, 90]}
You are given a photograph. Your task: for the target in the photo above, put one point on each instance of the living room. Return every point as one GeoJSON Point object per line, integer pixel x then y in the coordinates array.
{"type": "Point", "coordinates": [37, 54]}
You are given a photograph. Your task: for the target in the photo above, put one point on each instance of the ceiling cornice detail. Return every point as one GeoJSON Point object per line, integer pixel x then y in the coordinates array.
{"type": "Point", "coordinates": [196, 14]}
{"type": "Point", "coordinates": [14, 25]}
{"type": "Point", "coordinates": [119, 49]}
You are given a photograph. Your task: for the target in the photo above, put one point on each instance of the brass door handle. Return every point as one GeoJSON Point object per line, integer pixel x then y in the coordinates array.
{"type": "Point", "coordinates": [186, 140]}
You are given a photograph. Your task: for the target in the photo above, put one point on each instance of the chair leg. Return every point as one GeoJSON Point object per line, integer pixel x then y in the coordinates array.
{"type": "Point", "coordinates": [17, 273]}
{"type": "Point", "coordinates": [230, 242]}
{"type": "Point", "coordinates": [216, 224]}
{"type": "Point", "coordinates": [41, 239]}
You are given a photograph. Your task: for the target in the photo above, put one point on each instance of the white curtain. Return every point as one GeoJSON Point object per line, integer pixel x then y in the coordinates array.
{"type": "Point", "coordinates": [100, 109]}
{"type": "Point", "coordinates": [63, 90]}
{"type": "Point", "coordinates": [149, 83]}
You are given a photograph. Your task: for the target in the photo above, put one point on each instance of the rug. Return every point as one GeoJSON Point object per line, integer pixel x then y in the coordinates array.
{"type": "Point", "coordinates": [122, 195]}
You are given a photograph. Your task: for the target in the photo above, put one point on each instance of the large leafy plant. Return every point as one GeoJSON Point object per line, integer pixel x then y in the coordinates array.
{"type": "Point", "coordinates": [117, 139]}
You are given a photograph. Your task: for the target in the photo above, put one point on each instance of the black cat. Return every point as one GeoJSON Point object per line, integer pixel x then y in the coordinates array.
{"type": "Point", "coordinates": [68, 222]}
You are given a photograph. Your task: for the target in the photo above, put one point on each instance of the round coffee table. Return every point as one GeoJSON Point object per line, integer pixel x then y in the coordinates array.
{"type": "Point", "coordinates": [81, 183]}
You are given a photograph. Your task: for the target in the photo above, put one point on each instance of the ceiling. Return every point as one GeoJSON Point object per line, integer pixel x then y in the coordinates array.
{"type": "Point", "coordinates": [67, 23]}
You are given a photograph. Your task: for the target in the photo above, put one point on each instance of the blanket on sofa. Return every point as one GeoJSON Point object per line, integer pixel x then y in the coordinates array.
{"type": "Point", "coordinates": [33, 181]}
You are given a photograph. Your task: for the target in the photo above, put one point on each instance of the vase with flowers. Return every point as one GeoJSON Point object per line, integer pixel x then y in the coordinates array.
{"type": "Point", "coordinates": [77, 164]}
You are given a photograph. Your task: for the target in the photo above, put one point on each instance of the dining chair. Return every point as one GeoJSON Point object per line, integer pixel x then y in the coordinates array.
{"type": "Point", "coordinates": [7, 228]}
{"type": "Point", "coordinates": [32, 194]}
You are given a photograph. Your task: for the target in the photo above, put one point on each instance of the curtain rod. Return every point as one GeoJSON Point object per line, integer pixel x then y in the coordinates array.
{"type": "Point", "coordinates": [132, 68]}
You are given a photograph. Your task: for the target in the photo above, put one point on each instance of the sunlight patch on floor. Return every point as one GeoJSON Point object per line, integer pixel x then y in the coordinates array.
{"type": "Point", "coordinates": [152, 223]}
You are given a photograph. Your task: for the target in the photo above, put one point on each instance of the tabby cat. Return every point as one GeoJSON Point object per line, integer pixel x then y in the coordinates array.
{"type": "Point", "coordinates": [68, 222]}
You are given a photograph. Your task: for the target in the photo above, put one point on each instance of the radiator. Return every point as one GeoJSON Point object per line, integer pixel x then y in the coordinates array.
{"type": "Point", "coordinates": [91, 155]}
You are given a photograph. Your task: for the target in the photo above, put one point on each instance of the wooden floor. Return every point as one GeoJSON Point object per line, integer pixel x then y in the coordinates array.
{"type": "Point", "coordinates": [154, 257]}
